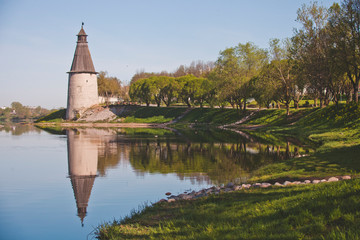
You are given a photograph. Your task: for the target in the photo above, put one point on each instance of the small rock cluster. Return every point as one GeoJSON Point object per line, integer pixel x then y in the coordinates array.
{"type": "Point", "coordinates": [230, 187]}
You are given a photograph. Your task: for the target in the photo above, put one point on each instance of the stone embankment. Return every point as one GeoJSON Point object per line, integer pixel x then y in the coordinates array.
{"type": "Point", "coordinates": [230, 187]}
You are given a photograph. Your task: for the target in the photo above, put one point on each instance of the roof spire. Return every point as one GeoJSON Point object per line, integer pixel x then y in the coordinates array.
{"type": "Point", "coordinates": [82, 62]}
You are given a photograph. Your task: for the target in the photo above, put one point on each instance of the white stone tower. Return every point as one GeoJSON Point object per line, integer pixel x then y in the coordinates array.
{"type": "Point", "coordinates": [82, 88]}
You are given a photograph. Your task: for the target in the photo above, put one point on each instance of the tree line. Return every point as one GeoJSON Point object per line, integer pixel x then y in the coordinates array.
{"type": "Point", "coordinates": [111, 87]}
{"type": "Point", "coordinates": [18, 113]}
{"type": "Point", "coordinates": [320, 61]}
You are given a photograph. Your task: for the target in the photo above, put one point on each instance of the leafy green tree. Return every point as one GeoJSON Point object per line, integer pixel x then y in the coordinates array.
{"type": "Point", "coordinates": [109, 86]}
{"type": "Point", "coordinates": [345, 32]}
{"type": "Point", "coordinates": [314, 47]}
{"type": "Point", "coordinates": [142, 91]}
{"type": "Point", "coordinates": [234, 69]}
{"type": "Point", "coordinates": [227, 75]}
{"type": "Point", "coordinates": [263, 89]}
{"type": "Point", "coordinates": [188, 88]}
{"type": "Point", "coordinates": [209, 93]}
{"type": "Point", "coordinates": [157, 84]}
{"type": "Point", "coordinates": [170, 91]}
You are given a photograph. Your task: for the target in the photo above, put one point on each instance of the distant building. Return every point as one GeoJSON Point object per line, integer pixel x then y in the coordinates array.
{"type": "Point", "coordinates": [82, 88]}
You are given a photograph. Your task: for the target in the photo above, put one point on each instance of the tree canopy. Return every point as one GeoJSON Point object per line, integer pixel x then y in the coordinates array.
{"type": "Point", "coordinates": [320, 61]}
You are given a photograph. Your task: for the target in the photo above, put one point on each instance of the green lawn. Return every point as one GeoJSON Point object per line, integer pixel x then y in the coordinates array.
{"type": "Point", "coordinates": [322, 211]}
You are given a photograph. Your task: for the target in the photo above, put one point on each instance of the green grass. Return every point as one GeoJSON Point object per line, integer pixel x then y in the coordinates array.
{"type": "Point", "coordinates": [56, 116]}
{"type": "Point", "coordinates": [277, 117]}
{"type": "Point", "coordinates": [138, 114]}
{"type": "Point", "coordinates": [322, 211]}
{"type": "Point", "coordinates": [154, 119]}
{"type": "Point", "coordinates": [148, 112]}
{"type": "Point", "coordinates": [336, 132]}
{"type": "Point", "coordinates": [214, 116]}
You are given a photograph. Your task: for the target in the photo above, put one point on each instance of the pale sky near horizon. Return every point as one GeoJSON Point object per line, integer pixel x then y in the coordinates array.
{"type": "Point", "coordinates": [38, 38]}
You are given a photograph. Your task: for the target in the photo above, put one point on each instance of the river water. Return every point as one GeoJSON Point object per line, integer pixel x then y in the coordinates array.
{"type": "Point", "coordinates": [61, 184]}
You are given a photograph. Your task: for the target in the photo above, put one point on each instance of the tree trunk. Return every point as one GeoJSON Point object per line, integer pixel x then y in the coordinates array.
{"type": "Point", "coordinates": [296, 103]}
{"type": "Point", "coordinates": [356, 91]}
{"type": "Point", "coordinates": [287, 109]}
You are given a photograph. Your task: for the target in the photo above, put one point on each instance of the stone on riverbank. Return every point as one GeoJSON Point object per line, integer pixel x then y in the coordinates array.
{"type": "Point", "coordinates": [287, 183]}
{"type": "Point", "coordinates": [237, 188]}
{"type": "Point", "coordinates": [333, 179]}
{"type": "Point", "coordinates": [265, 185]}
{"type": "Point", "coordinates": [230, 187]}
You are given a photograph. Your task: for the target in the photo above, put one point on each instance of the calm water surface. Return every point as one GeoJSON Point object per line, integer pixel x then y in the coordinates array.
{"type": "Point", "coordinates": [63, 184]}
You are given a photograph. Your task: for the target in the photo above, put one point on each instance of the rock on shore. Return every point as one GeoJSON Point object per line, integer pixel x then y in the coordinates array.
{"type": "Point", "coordinates": [231, 187]}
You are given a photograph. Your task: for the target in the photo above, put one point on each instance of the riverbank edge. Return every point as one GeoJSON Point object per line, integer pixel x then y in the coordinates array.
{"type": "Point", "coordinates": [100, 125]}
{"type": "Point", "coordinates": [328, 210]}
{"type": "Point", "coordinates": [231, 187]}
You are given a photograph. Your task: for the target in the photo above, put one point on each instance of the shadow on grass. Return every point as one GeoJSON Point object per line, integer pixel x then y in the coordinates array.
{"type": "Point", "coordinates": [342, 160]}
{"type": "Point", "coordinates": [310, 211]}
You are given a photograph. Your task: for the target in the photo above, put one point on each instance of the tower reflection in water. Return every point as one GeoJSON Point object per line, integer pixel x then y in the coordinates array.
{"type": "Point", "coordinates": [83, 146]}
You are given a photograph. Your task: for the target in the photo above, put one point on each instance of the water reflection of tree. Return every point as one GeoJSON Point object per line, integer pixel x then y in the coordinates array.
{"type": "Point", "coordinates": [221, 162]}
{"type": "Point", "coordinates": [18, 129]}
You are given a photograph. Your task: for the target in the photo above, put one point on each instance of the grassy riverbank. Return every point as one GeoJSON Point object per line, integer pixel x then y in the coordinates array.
{"type": "Point", "coordinates": [336, 130]}
{"type": "Point", "coordinates": [323, 211]}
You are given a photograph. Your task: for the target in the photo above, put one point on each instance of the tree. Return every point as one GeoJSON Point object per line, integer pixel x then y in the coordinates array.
{"type": "Point", "coordinates": [281, 70]}
{"type": "Point", "coordinates": [142, 91]}
{"type": "Point", "coordinates": [234, 69]}
{"type": "Point", "coordinates": [209, 92]}
{"type": "Point", "coordinates": [314, 50]}
{"type": "Point", "coordinates": [109, 86]}
{"type": "Point", "coordinates": [170, 91]}
{"type": "Point", "coordinates": [189, 88]}
{"type": "Point", "coordinates": [345, 32]}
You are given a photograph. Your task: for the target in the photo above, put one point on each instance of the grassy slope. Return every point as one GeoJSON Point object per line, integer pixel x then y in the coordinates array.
{"type": "Point", "coordinates": [139, 114]}
{"type": "Point", "coordinates": [335, 130]}
{"type": "Point", "coordinates": [324, 211]}
{"type": "Point", "coordinates": [131, 114]}
{"type": "Point", "coordinates": [56, 116]}
{"type": "Point", "coordinates": [213, 116]}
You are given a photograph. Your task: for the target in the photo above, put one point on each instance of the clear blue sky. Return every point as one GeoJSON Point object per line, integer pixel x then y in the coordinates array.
{"type": "Point", "coordinates": [38, 38]}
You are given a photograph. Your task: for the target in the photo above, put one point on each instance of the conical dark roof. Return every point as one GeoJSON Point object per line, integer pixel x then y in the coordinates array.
{"type": "Point", "coordinates": [82, 186]}
{"type": "Point", "coordinates": [82, 62]}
